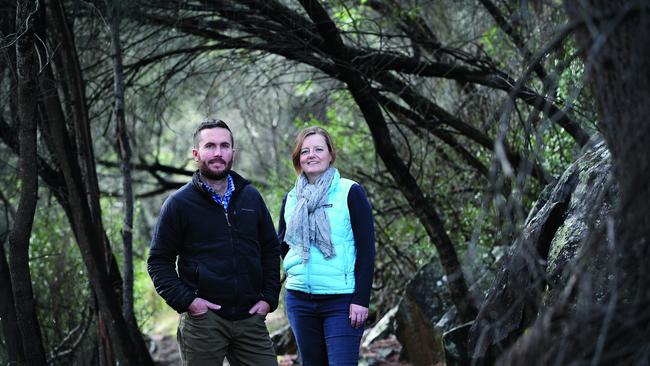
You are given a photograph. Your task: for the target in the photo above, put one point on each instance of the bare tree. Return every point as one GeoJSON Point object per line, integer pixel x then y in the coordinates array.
{"type": "Point", "coordinates": [27, 71]}
{"type": "Point", "coordinates": [7, 310]}
{"type": "Point", "coordinates": [76, 161]}
{"type": "Point", "coordinates": [69, 171]}
{"type": "Point", "coordinates": [123, 148]}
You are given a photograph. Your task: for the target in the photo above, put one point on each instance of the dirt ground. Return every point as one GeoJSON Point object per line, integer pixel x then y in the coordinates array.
{"type": "Point", "coordinates": [164, 350]}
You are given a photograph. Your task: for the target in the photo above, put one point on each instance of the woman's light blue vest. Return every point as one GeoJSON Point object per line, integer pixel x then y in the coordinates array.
{"type": "Point", "coordinates": [320, 275]}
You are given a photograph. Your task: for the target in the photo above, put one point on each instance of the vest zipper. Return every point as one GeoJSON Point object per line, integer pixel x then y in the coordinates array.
{"type": "Point", "coordinates": [345, 263]}
{"type": "Point", "coordinates": [309, 276]}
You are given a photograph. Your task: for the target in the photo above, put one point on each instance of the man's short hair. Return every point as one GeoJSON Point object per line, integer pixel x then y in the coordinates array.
{"type": "Point", "coordinates": [211, 123]}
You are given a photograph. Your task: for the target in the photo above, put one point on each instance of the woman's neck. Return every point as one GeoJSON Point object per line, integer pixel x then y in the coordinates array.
{"type": "Point", "coordinates": [313, 178]}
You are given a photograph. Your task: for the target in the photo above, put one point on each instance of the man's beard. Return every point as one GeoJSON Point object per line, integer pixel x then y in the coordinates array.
{"type": "Point", "coordinates": [209, 174]}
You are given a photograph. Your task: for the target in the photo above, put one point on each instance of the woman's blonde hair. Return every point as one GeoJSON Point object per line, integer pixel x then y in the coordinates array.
{"type": "Point", "coordinates": [313, 130]}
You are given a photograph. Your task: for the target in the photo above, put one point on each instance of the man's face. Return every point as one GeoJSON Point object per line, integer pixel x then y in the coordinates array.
{"type": "Point", "coordinates": [215, 154]}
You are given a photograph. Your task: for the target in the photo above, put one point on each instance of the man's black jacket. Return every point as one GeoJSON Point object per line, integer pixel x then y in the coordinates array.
{"type": "Point", "coordinates": [231, 259]}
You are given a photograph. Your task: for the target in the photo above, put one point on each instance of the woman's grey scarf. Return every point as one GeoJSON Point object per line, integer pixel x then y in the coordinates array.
{"type": "Point", "coordinates": [309, 222]}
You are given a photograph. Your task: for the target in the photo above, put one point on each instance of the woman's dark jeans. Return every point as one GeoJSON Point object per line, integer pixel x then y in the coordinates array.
{"type": "Point", "coordinates": [322, 328]}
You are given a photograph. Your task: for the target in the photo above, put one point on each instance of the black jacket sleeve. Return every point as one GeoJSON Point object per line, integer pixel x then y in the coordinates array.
{"type": "Point", "coordinates": [282, 229]}
{"type": "Point", "coordinates": [270, 257]}
{"type": "Point", "coordinates": [364, 240]}
{"type": "Point", "coordinates": [161, 263]}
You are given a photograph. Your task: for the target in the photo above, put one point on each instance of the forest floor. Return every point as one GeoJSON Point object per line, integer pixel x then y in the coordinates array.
{"type": "Point", "coordinates": [380, 353]}
{"type": "Point", "coordinates": [164, 349]}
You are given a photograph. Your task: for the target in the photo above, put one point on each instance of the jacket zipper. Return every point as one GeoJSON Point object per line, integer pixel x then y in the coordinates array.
{"type": "Point", "coordinates": [234, 257]}
{"type": "Point", "coordinates": [196, 273]}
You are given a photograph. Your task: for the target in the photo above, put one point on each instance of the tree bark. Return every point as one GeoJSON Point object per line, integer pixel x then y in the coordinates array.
{"type": "Point", "coordinates": [76, 161]}
{"type": "Point", "coordinates": [27, 73]}
{"type": "Point", "coordinates": [57, 184]}
{"type": "Point", "coordinates": [124, 152]}
{"type": "Point", "coordinates": [10, 329]}
{"type": "Point", "coordinates": [615, 39]}
{"type": "Point", "coordinates": [620, 81]}
{"type": "Point", "coordinates": [7, 310]}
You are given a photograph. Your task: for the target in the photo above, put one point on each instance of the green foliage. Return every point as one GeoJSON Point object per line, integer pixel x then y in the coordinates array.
{"type": "Point", "coordinates": [347, 19]}
{"type": "Point", "coordinates": [491, 40]}
{"type": "Point", "coordinates": [304, 88]}
{"type": "Point", "coordinates": [150, 309]}
{"type": "Point", "coordinates": [152, 313]}
{"type": "Point", "coordinates": [59, 277]}
{"type": "Point", "coordinates": [351, 138]}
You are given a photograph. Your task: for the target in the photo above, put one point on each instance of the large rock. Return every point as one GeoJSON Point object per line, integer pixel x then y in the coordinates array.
{"type": "Point", "coordinates": [284, 341]}
{"type": "Point", "coordinates": [590, 206]}
{"type": "Point", "coordinates": [424, 302]}
{"type": "Point", "coordinates": [425, 312]}
{"type": "Point", "coordinates": [553, 239]}
{"type": "Point", "coordinates": [381, 330]}
{"type": "Point", "coordinates": [455, 343]}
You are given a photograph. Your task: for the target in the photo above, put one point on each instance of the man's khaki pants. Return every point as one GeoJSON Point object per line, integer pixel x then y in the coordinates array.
{"type": "Point", "coordinates": [205, 340]}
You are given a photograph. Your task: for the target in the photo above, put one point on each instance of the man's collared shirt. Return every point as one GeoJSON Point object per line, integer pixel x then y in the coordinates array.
{"type": "Point", "coordinates": [225, 200]}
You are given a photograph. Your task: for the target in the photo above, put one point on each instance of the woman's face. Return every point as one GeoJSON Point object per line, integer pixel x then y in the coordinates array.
{"type": "Point", "coordinates": [315, 157]}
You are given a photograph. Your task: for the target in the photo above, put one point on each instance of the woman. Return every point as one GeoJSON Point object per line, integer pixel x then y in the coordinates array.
{"type": "Point", "coordinates": [328, 245]}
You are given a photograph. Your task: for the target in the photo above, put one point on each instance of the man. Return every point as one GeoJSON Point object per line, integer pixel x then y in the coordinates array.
{"type": "Point", "coordinates": [228, 275]}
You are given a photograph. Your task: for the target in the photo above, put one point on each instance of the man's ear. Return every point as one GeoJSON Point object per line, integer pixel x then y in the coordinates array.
{"type": "Point", "coordinates": [195, 154]}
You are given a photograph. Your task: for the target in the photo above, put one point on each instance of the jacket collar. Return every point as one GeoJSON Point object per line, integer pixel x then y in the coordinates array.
{"type": "Point", "coordinates": [239, 181]}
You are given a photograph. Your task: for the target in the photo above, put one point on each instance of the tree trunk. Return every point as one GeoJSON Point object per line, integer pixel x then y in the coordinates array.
{"type": "Point", "coordinates": [58, 185]}
{"type": "Point", "coordinates": [26, 69]}
{"type": "Point", "coordinates": [76, 161]}
{"type": "Point", "coordinates": [14, 344]}
{"type": "Point", "coordinates": [124, 151]}
{"type": "Point", "coordinates": [615, 39]}
{"type": "Point", "coordinates": [620, 81]}
{"type": "Point", "coordinates": [8, 313]}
